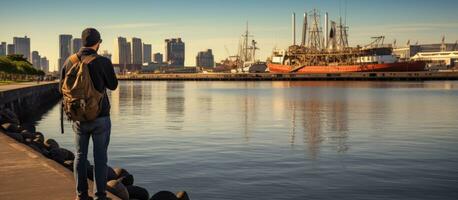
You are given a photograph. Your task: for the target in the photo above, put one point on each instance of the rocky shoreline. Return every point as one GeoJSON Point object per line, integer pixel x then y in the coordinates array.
{"type": "Point", "coordinates": [120, 181]}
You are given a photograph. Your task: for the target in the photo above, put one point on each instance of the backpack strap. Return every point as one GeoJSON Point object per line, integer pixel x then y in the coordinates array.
{"type": "Point", "coordinates": [88, 59]}
{"type": "Point", "coordinates": [74, 59]}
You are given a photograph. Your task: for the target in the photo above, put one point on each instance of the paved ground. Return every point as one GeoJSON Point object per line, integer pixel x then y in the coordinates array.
{"type": "Point", "coordinates": [12, 86]}
{"type": "Point", "coordinates": [26, 174]}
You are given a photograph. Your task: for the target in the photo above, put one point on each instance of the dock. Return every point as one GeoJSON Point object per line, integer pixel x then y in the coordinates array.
{"type": "Point", "coordinates": [357, 76]}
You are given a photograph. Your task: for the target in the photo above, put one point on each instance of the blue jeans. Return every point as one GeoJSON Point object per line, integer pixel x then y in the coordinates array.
{"type": "Point", "coordinates": [100, 130]}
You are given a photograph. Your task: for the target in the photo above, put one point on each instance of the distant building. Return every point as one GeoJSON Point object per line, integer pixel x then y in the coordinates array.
{"type": "Point", "coordinates": [3, 49]}
{"type": "Point", "coordinates": [137, 53]}
{"type": "Point", "coordinates": [129, 53]}
{"type": "Point", "coordinates": [407, 52]}
{"type": "Point", "coordinates": [120, 53]}
{"type": "Point", "coordinates": [158, 58]}
{"type": "Point", "coordinates": [65, 49]}
{"type": "Point", "coordinates": [36, 60]}
{"type": "Point", "coordinates": [44, 64]}
{"type": "Point", "coordinates": [106, 54]}
{"type": "Point", "coordinates": [10, 49]}
{"type": "Point", "coordinates": [205, 59]}
{"type": "Point", "coordinates": [22, 46]}
{"type": "Point", "coordinates": [77, 43]}
{"type": "Point", "coordinates": [174, 52]}
{"type": "Point", "coordinates": [147, 53]}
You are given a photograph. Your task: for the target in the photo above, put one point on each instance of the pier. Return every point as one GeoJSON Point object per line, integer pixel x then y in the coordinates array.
{"type": "Point", "coordinates": [24, 172]}
{"type": "Point", "coordinates": [359, 76]}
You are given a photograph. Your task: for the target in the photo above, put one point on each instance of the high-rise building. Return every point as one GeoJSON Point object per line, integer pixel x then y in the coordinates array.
{"type": "Point", "coordinates": [120, 55]}
{"type": "Point", "coordinates": [158, 58]}
{"type": "Point", "coordinates": [147, 53]}
{"type": "Point", "coordinates": [137, 53]}
{"type": "Point", "coordinates": [3, 49]}
{"type": "Point", "coordinates": [10, 49]}
{"type": "Point", "coordinates": [106, 54]}
{"type": "Point", "coordinates": [77, 43]}
{"type": "Point", "coordinates": [205, 59]}
{"type": "Point", "coordinates": [44, 64]}
{"type": "Point", "coordinates": [174, 52]}
{"type": "Point", "coordinates": [22, 46]}
{"type": "Point", "coordinates": [129, 53]}
{"type": "Point", "coordinates": [36, 60]}
{"type": "Point", "coordinates": [65, 49]}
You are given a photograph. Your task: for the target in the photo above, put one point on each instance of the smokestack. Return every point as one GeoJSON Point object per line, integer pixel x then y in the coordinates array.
{"type": "Point", "coordinates": [294, 28]}
{"type": "Point", "coordinates": [326, 31]}
{"type": "Point", "coordinates": [304, 30]}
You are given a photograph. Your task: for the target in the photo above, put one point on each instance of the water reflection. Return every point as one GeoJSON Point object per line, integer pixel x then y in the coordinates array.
{"type": "Point", "coordinates": [175, 105]}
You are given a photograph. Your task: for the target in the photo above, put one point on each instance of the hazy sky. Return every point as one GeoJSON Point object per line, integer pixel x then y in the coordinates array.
{"type": "Point", "coordinates": [214, 24]}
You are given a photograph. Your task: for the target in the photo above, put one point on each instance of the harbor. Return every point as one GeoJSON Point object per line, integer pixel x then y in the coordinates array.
{"type": "Point", "coordinates": [363, 76]}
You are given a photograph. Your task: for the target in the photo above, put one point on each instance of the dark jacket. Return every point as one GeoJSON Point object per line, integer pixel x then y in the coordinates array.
{"type": "Point", "coordinates": [102, 76]}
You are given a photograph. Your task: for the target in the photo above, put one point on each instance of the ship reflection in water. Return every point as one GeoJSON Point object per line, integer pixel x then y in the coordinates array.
{"type": "Point", "coordinates": [285, 140]}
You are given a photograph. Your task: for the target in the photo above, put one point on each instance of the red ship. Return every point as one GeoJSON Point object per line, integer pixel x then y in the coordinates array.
{"type": "Point", "coordinates": [330, 52]}
{"type": "Point", "coordinates": [383, 67]}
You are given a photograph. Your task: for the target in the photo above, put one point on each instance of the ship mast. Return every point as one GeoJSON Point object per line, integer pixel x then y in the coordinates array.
{"type": "Point", "coordinates": [315, 40]}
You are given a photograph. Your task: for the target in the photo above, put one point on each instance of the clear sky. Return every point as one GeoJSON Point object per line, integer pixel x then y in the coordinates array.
{"type": "Point", "coordinates": [217, 24]}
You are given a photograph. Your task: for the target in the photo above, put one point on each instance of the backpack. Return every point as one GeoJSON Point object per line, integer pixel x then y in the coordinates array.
{"type": "Point", "coordinates": [81, 101]}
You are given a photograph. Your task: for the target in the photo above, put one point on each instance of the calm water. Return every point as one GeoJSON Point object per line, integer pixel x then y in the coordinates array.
{"type": "Point", "coordinates": [285, 140]}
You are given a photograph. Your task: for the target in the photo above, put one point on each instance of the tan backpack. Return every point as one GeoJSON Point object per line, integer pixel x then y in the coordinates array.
{"type": "Point", "coordinates": [81, 101]}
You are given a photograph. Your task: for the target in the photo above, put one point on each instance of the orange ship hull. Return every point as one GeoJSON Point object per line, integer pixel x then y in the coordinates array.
{"type": "Point", "coordinates": [386, 67]}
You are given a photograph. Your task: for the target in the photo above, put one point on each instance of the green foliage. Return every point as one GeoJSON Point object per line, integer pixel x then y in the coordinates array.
{"type": "Point", "coordinates": [17, 64]}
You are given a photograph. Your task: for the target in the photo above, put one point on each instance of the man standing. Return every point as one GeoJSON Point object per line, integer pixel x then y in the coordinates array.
{"type": "Point", "coordinates": [89, 119]}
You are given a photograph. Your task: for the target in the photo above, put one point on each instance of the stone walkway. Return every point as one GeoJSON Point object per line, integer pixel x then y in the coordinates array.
{"type": "Point", "coordinates": [26, 174]}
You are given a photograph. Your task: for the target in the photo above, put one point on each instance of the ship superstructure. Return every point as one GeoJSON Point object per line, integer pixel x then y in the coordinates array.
{"type": "Point", "coordinates": [328, 51]}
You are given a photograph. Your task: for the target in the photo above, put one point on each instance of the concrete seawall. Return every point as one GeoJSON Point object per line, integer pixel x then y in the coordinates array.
{"type": "Point", "coordinates": [363, 76]}
{"type": "Point", "coordinates": [28, 96]}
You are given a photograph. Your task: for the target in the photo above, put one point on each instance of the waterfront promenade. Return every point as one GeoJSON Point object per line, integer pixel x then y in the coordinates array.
{"type": "Point", "coordinates": [26, 173]}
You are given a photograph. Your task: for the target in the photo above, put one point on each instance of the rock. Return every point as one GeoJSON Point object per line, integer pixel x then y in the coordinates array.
{"type": "Point", "coordinates": [39, 133]}
{"type": "Point", "coordinates": [124, 176]}
{"type": "Point", "coordinates": [11, 127]}
{"type": "Point", "coordinates": [27, 134]}
{"type": "Point", "coordinates": [68, 155]}
{"type": "Point", "coordinates": [29, 127]}
{"type": "Point", "coordinates": [57, 155]}
{"type": "Point", "coordinates": [120, 172]}
{"type": "Point", "coordinates": [182, 195]}
{"type": "Point", "coordinates": [39, 143]}
{"type": "Point", "coordinates": [69, 164]}
{"type": "Point", "coordinates": [28, 140]}
{"type": "Point", "coordinates": [16, 136]}
{"type": "Point", "coordinates": [136, 192]}
{"type": "Point", "coordinates": [127, 180]}
{"type": "Point", "coordinates": [111, 175]}
{"type": "Point", "coordinates": [51, 144]}
{"type": "Point", "coordinates": [9, 116]}
{"type": "Point", "coordinates": [118, 189]}
{"type": "Point", "coordinates": [164, 195]}
{"type": "Point", "coordinates": [45, 152]}
{"type": "Point", "coordinates": [39, 137]}
{"type": "Point", "coordinates": [35, 147]}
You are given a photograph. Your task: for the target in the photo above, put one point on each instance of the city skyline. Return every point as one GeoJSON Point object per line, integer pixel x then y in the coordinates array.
{"type": "Point", "coordinates": [205, 24]}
